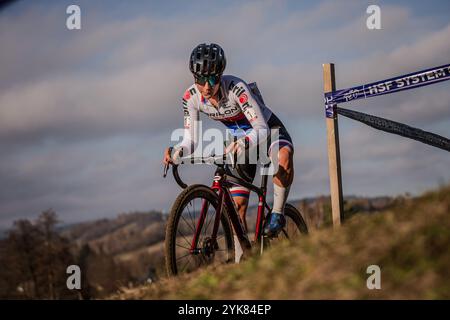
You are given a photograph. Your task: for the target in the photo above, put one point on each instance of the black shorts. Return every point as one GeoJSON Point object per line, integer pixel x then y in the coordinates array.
{"type": "Point", "coordinates": [247, 171]}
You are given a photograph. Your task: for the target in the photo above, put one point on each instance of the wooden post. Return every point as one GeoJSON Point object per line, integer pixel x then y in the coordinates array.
{"type": "Point", "coordinates": [334, 157]}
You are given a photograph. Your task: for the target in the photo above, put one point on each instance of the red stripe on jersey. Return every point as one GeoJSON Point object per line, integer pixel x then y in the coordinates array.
{"type": "Point", "coordinates": [238, 117]}
{"type": "Point", "coordinates": [240, 191]}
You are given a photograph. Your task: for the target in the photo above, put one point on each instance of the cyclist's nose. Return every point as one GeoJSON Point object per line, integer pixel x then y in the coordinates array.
{"type": "Point", "coordinates": [207, 85]}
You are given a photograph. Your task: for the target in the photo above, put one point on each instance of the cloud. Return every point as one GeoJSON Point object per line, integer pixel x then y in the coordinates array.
{"type": "Point", "coordinates": [83, 180]}
{"type": "Point", "coordinates": [134, 100]}
{"type": "Point", "coordinates": [84, 116]}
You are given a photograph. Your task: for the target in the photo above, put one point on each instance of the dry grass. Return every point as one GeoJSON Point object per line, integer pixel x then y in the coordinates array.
{"type": "Point", "coordinates": [410, 243]}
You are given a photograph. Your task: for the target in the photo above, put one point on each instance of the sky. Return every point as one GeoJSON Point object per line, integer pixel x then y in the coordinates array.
{"type": "Point", "coordinates": [86, 114]}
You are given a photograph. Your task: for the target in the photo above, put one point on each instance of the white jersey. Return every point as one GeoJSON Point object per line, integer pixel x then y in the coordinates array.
{"type": "Point", "coordinates": [240, 107]}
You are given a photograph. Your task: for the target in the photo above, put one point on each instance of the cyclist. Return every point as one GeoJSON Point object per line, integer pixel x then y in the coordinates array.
{"type": "Point", "coordinates": [229, 99]}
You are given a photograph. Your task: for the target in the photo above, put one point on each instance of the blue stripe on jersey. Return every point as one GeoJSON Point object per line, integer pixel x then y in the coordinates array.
{"type": "Point", "coordinates": [245, 195]}
{"type": "Point", "coordinates": [241, 124]}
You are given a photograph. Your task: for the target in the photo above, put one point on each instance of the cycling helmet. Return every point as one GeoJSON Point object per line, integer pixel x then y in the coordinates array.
{"type": "Point", "coordinates": [207, 60]}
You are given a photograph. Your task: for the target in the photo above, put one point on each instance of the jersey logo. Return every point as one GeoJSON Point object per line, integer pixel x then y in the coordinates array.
{"type": "Point", "coordinates": [238, 90]}
{"type": "Point", "coordinates": [251, 114]}
{"type": "Point", "coordinates": [243, 98]}
{"type": "Point", "coordinates": [187, 95]}
{"type": "Point", "coordinates": [224, 114]}
{"type": "Point", "coordinates": [187, 122]}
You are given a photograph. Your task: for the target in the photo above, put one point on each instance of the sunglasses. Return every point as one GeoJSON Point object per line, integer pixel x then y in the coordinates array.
{"type": "Point", "coordinates": [212, 80]}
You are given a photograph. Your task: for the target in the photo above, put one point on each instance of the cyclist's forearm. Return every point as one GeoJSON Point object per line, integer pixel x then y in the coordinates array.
{"type": "Point", "coordinates": [191, 130]}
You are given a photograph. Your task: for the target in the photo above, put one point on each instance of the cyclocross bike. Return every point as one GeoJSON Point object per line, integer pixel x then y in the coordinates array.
{"type": "Point", "coordinates": [200, 226]}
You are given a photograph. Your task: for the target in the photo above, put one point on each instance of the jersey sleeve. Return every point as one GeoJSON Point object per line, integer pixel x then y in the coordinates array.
{"type": "Point", "coordinates": [253, 112]}
{"type": "Point", "coordinates": [191, 125]}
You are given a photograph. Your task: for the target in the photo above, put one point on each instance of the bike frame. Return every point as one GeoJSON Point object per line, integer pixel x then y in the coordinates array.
{"type": "Point", "coordinates": [221, 184]}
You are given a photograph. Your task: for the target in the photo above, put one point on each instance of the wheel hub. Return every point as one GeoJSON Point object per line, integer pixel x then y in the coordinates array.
{"type": "Point", "coordinates": [209, 246]}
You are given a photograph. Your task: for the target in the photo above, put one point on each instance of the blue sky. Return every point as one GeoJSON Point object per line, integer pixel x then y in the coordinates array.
{"type": "Point", "coordinates": [86, 114]}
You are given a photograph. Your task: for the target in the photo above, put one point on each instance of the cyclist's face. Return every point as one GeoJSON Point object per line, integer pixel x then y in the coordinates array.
{"type": "Point", "coordinates": [207, 90]}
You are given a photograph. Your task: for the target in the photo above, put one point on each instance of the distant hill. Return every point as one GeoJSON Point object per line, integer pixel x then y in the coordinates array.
{"type": "Point", "coordinates": [134, 240]}
{"type": "Point", "coordinates": [127, 232]}
{"type": "Point", "coordinates": [409, 240]}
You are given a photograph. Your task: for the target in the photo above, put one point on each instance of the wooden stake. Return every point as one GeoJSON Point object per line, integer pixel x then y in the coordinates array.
{"type": "Point", "coordinates": [334, 158]}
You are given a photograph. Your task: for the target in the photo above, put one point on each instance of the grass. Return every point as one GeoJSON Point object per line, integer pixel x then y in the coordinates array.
{"type": "Point", "coordinates": [409, 242]}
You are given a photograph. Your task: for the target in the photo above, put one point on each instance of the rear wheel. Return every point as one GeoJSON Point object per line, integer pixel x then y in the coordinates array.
{"type": "Point", "coordinates": [181, 226]}
{"type": "Point", "coordinates": [295, 226]}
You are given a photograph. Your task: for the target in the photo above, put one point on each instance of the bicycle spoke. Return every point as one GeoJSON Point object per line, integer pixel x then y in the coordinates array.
{"type": "Point", "coordinates": [192, 227]}
{"type": "Point", "coordinates": [212, 219]}
{"type": "Point", "coordinates": [192, 218]}
{"type": "Point", "coordinates": [188, 254]}
{"type": "Point", "coordinates": [184, 237]}
{"type": "Point", "coordinates": [204, 259]}
{"type": "Point", "coordinates": [179, 245]}
{"type": "Point", "coordinates": [193, 205]}
{"type": "Point", "coordinates": [294, 230]}
{"type": "Point", "coordinates": [185, 264]}
{"type": "Point", "coordinates": [205, 223]}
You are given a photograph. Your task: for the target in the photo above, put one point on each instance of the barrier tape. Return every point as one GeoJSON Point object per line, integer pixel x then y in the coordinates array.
{"type": "Point", "coordinates": [404, 82]}
{"type": "Point", "coordinates": [398, 128]}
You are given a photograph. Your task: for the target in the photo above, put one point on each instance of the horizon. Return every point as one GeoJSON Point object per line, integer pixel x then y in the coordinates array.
{"type": "Point", "coordinates": [252, 205]}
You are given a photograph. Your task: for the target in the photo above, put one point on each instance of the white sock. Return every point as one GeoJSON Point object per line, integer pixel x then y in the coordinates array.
{"type": "Point", "coordinates": [238, 252]}
{"type": "Point", "coordinates": [280, 195]}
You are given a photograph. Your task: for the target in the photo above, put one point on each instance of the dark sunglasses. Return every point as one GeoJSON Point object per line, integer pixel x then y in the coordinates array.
{"type": "Point", "coordinates": [213, 80]}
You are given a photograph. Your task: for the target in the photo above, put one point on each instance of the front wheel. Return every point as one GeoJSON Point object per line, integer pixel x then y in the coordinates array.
{"type": "Point", "coordinates": [182, 255]}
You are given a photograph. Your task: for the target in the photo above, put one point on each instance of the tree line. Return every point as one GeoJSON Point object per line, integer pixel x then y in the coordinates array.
{"type": "Point", "coordinates": [34, 258]}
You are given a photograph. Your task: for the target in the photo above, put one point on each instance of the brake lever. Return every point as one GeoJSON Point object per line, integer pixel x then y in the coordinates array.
{"type": "Point", "coordinates": [166, 168]}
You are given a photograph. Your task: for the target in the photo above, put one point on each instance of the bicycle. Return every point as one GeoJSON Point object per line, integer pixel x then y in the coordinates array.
{"type": "Point", "coordinates": [192, 240]}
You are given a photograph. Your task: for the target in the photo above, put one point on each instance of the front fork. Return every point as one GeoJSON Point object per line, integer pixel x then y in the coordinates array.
{"type": "Point", "coordinates": [204, 211]}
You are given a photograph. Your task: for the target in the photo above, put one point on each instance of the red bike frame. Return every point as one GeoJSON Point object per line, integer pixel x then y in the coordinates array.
{"type": "Point", "coordinates": [221, 185]}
